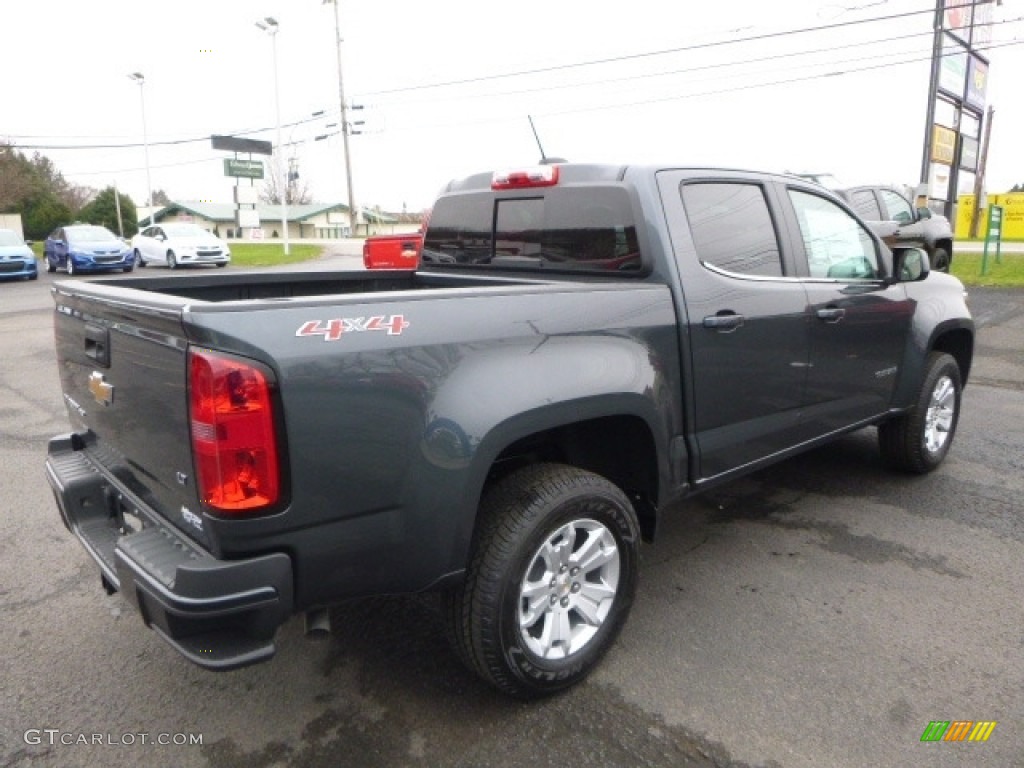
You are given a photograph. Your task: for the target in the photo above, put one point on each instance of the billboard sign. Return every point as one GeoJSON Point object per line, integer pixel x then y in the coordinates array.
{"type": "Point", "coordinates": [943, 145]}
{"type": "Point", "coordinates": [953, 68]}
{"type": "Point", "coordinates": [977, 82]}
{"type": "Point", "coordinates": [235, 144]}
{"type": "Point", "coordinates": [246, 169]}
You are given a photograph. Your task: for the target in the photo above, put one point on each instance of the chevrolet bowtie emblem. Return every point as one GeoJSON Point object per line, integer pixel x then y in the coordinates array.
{"type": "Point", "coordinates": [101, 390]}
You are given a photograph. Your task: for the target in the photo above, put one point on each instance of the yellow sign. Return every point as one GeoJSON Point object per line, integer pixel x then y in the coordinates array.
{"type": "Point", "coordinates": [1013, 215]}
{"type": "Point", "coordinates": [943, 145]}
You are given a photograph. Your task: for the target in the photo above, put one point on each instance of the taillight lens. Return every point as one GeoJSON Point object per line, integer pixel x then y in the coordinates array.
{"type": "Point", "coordinates": [525, 178]}
{"type": "Point", "coordinates": [233, 437]}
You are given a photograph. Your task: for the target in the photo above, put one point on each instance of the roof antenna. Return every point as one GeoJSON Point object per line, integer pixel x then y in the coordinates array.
{"type": "Point", "coordinates": [544, 159]}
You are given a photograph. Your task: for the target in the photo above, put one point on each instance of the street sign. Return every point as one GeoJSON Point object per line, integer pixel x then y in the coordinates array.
{"type": "Point", "coordinates": [235, 144]}
{"type": "Point", "coordinates": [246, 169]}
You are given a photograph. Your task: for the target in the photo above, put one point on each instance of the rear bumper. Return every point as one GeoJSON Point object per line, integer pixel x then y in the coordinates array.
{"type": "Point", "coordinates": [219, 614]}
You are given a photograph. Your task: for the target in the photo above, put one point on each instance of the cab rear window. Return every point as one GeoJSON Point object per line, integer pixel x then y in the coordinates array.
{"type": "Point", "coordinates": [589, 230]}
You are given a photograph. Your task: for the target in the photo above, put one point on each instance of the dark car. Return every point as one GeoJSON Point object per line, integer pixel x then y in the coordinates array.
{"type": "Point", "coordinates": [16, 258]}
{"type": "Point", "coordinates": [916, 226]}
{"type": "Point", "coordinates": [87, 248]}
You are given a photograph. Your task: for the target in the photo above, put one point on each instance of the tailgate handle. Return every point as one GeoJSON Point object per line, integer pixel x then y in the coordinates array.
{"type": "Point", "coordinates": [97, 344]}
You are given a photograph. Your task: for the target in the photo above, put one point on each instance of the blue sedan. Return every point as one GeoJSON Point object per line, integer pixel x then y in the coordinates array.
{"type": "Point", "coordinates": [16, 258]}
{"type": "Point", "coordinates": [87, 248]}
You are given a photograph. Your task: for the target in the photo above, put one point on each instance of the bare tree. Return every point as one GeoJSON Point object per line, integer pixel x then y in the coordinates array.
{"type": "Point", "coordinates": [298, 192]}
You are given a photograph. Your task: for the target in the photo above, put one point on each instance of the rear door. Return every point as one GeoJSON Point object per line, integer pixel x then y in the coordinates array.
{"type": "Point", "coordinates": [748, 333]}
{"type": "Point", "coordinates": [858, 323]}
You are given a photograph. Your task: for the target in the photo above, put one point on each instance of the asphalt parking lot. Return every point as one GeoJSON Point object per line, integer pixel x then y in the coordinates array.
{"type": "Point", "coordinates": [819, 613]}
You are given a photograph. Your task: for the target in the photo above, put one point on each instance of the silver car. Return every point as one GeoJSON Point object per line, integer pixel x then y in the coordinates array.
{"type": "Point", "coordinates": [178, 244]}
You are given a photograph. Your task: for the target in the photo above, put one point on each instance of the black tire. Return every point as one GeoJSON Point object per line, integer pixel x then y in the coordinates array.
{"type": "Point", "coordinates": [172, 262]}
{"type": "Point", "coordinates": [50, 266]}
{"type": "Point", "coordinates": [139, 261]}
{"type": "Point", "coordinates": [128, 269]}
{"type": "Point", "coordinates": [919, 440]}
{"type": "Point", "coordinates": [940, 260]}
{"type": "Point", "coordinates": [521, 517]}
{"type": "Point", "coordinates": [71, 266]}
{"type": "Point", "coordinates": [34, 276]}
{"type": "Point", "coordinates": [222, 264]}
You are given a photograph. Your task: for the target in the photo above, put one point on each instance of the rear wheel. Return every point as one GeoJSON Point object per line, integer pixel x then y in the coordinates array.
{"type": "Point", "coordinates": [139, 260]}
{"type": "Point", "coordinates": [172, 261]}
{"type": "Point", "coordinates": [71, 266]}
{"type": "Point", "coordinates": [50, 266]}
{"type": "Point", "coordinates": [918, 441]}
{"type": "Point", "coordinates": [551, 581]}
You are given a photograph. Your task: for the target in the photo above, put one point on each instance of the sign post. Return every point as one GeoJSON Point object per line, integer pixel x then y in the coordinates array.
{"type": "Point", "coordinates": [994, 234]}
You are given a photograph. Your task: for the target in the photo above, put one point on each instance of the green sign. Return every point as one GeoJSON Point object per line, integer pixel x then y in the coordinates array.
{"type": "Point", "coordinates": [246, 169]}
{"type": "Point", "coordinates": [994, 235]}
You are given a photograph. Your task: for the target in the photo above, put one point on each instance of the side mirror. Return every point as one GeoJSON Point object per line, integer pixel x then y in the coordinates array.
{"type": "Point", "coordinates": [924, 213]}
{"type": "Point", "coordinates": [910, 265]}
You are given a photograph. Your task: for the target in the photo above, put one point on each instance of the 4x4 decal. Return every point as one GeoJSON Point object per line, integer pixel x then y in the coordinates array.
{"type": "Point", "coordinates": [334, 329]}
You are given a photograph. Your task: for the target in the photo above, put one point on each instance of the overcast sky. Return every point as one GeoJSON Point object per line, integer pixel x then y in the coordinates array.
{"type": "Point", "coordinates": [446, 88]}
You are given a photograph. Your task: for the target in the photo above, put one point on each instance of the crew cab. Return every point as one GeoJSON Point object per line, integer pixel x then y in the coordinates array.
{"type": "Point", "coordinates": [582, 346]}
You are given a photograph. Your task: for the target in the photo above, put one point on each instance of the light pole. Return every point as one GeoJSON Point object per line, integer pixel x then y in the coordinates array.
{"type": "Point", "coordinates": [270, 26]}
{"type": "Point", "coordinates": [139, 78]}
{"type": "Point", "coordinates": [352, 210]}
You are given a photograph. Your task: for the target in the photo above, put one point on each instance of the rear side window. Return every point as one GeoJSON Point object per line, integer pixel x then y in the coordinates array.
{"type": "Point", "coordinates": [732, 228]}
{"type": "Point", "coordinates": [864, 203]}
{"type": "Point", "coordinates": [569, 228]}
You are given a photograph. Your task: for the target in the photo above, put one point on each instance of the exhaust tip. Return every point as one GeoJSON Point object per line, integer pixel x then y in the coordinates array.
{"type": "Point", "coordinates": [318, 624]}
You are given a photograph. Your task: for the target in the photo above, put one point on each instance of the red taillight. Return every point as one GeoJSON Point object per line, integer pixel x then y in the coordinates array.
{"type": "Point", "coordinates": [525, 178]}
{"type": "Point", "coordinates": [233, 435]}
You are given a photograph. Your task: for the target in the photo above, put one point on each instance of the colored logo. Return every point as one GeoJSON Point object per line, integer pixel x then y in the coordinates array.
{"type": "Point", "coordinates": [332, 330]}
{"type": "Point", "coordinates": [958, 730]}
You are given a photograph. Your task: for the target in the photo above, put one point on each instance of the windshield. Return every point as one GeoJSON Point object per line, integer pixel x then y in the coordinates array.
{"type": "Point", "coordinates": [184, 230]}
{"type": "Point", "coordinates": [89, 235]}
{"type": "Point", "coordinates": [8, 237]}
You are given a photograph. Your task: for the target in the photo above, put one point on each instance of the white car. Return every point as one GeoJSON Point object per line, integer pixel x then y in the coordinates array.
{"type": "Point", "coordinates": [178, 244]}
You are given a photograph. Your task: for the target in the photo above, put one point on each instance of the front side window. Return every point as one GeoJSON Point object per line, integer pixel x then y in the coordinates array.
{"type": "Point", "coordinates": [837, 245]}
{"type": "Point", "coordinates": [732, 228]}
{"type": "Point", "coordinates": [899, 209]}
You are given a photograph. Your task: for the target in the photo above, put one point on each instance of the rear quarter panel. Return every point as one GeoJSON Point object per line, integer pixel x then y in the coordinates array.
{"type": "Point", "coordinates": [391, 434]}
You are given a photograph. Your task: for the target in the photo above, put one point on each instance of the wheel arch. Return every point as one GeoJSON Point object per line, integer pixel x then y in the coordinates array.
{"type": "Point", "coordinates": [620, 444]}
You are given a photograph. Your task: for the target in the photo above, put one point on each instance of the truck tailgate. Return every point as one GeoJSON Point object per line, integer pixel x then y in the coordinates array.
{"type": "Point", "coordinates": [123, 375]}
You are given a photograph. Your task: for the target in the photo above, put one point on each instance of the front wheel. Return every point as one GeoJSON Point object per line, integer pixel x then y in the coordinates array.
{"type": "Point", "coordinates": [71, 266]}
{"type": "Point", "coordinates": [918, 441]}
{"type": "Point", "coordinates": [172, 261]}
{"type": "Point", "coordinates": [138, 258]}
{"type": "Point", "coordinates": [551, 582]}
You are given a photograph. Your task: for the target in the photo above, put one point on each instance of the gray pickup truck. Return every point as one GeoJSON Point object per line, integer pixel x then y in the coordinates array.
{"type": "Point", "coordinates": [582, 346]}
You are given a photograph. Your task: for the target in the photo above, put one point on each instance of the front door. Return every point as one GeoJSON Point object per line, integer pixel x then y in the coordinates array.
{"type": "Point", "coordinates": [858, 322]}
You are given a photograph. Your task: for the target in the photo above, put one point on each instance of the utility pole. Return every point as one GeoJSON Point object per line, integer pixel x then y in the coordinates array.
{"type": "Point", "coordinates": [352, 208]}
{"type": "Point", "coordinates": [979, 179]}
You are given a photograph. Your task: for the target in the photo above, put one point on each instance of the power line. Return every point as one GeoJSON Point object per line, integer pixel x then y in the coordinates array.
{"type": "Point", "coordinates": [700, 67]}
{"type": "Point", "coordinates": [664, 52]}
